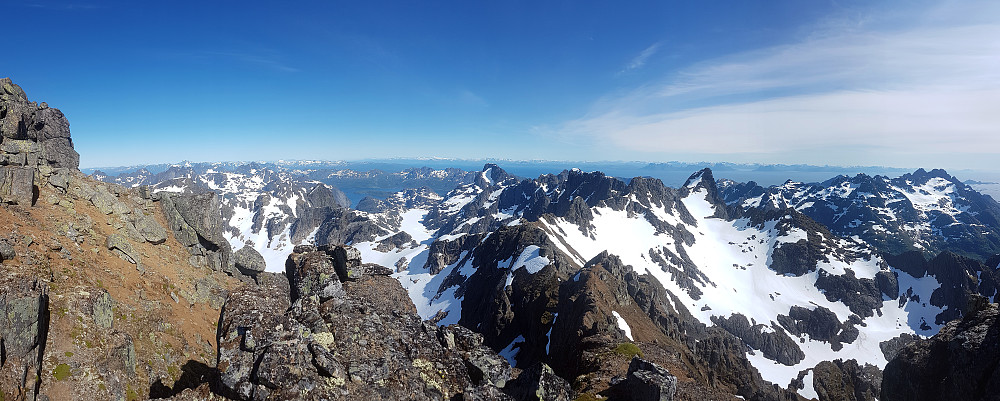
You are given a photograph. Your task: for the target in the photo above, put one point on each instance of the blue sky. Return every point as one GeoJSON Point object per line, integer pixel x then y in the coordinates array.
{"type": "Point", "coordinates": [907, 83]}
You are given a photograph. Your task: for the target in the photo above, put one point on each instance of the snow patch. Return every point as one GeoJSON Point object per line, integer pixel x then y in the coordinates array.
{"type": "Point", "coordinates": [548, 335]}
{"type": "Point", "coordinates": [622, 324]}
{"type": "Point", "coordinates": [809, 390]}
{"type": "Point", "coordinates": [531, 260]}
{"type": "Point", "coordinates": [510, 351]}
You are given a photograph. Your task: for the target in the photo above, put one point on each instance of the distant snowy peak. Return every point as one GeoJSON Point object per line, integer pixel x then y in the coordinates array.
{"type": "Point", "coordinates": [928, 211]}
{"type": "Point", "coordinates": [493, 175]}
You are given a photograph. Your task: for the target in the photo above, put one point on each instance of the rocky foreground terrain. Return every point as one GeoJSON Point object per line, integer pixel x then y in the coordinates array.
{"type": "Point", "coordinates": [503, 289]}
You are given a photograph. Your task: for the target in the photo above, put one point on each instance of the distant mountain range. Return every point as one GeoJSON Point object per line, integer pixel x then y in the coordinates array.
{"type": "Point", "coordinates": [930, 211]}
{"type": "Point", "coordinates": [850, 268]}
{"type": "Point", "coordinates": [671, 173]}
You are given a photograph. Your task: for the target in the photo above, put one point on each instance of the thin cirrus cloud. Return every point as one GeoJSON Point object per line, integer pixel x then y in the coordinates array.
{"type": "Point", "coordinates": [640, 60]}
{"type": "Point", "coordinates": [860, 96]}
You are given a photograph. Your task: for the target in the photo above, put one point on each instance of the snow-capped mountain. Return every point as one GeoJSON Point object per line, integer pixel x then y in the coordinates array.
{"type": "Point", "coordinates": [930, 211]}
{"type": "Point", "coordinates": [565, 268]}
{"type": "Point", "coordinates": [496, 254]}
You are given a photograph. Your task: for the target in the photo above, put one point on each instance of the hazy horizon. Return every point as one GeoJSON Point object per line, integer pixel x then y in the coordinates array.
{"type": "Point", "coordinates": [987, 182]}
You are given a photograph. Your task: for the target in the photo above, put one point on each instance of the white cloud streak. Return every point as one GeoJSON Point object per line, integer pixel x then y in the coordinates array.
{"type": "Point", "coordinates": [640, 60]}
{"type": "Point", "coordinates": [902, 95]}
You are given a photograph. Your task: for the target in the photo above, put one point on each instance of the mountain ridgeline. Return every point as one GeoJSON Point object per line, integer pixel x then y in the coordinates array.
{"type": "Point", "coordinates": [733, 288]}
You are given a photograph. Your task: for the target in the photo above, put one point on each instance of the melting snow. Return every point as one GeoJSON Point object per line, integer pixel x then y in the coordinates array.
{"type": "Point", "coordinates": [172, 188]}
{"type": "Point", "coordinates": [531, 260]}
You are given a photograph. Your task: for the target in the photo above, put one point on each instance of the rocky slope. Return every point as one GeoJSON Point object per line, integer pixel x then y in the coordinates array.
{"type": "Point", "coordinates": [100, 298]}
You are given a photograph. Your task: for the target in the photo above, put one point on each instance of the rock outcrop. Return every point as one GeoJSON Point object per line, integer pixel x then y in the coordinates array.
{"type": "Point", "coordinates": [34, 135]}
{"type": "Point", "coordinates": [196, 221]}
{"type": "Point", "coordinates": [33, 138]}
{"type": "Point", "coordinates": [540, 383]}
{"type": "Point", "coordinates": [24, 314]}
{"type": "Point", "coordinates": [340, 333]}
{"type": "Point", "coordinates": [248, 261]}
{"type": "Point", "coordinates": [648, 381]}
{"type": "Point", "coordinates": [846, 380]}
{"type": "Point", "coordinates": [94, 303]}
{"type": "Point", "coordinates": [958, 363]}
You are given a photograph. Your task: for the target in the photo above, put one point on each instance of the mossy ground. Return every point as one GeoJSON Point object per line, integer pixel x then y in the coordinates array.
{"type": "Point", "coordinates": [628, 350]}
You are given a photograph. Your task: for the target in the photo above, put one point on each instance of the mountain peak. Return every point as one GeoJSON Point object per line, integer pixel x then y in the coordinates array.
{"type": "Point", "coordinates": [702, 178]}
{"type": "Point", "coordinates": [492, 174]}
{"type": "Point", "coordinates": [921, 175]}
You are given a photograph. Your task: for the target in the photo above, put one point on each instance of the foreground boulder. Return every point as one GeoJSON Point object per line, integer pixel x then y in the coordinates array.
{"type": "Point", "coordinates": [17, 185]}
{"type": "Point", "coordinates": [356, 339]}
{"type": "Point", "coordinates": [196, 221]}
{"type": "Point", "coordinates": [958, 363]}
{"type": "Point", "coordinates": [540, 383]}
{"type": "Point", "coordinates": [249, 261]}
{"type": "Point", "coordinates": [648, 381]}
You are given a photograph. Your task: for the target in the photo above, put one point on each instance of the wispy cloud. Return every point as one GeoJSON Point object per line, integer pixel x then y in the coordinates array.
{"type": "Point", "coordinates": [640, 60]}
{"type": "Point", "coordinates": [840, 97]}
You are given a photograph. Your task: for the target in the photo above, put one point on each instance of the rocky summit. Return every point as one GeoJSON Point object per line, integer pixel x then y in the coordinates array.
{"type": "Point", "coordinates": [248, 281]}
